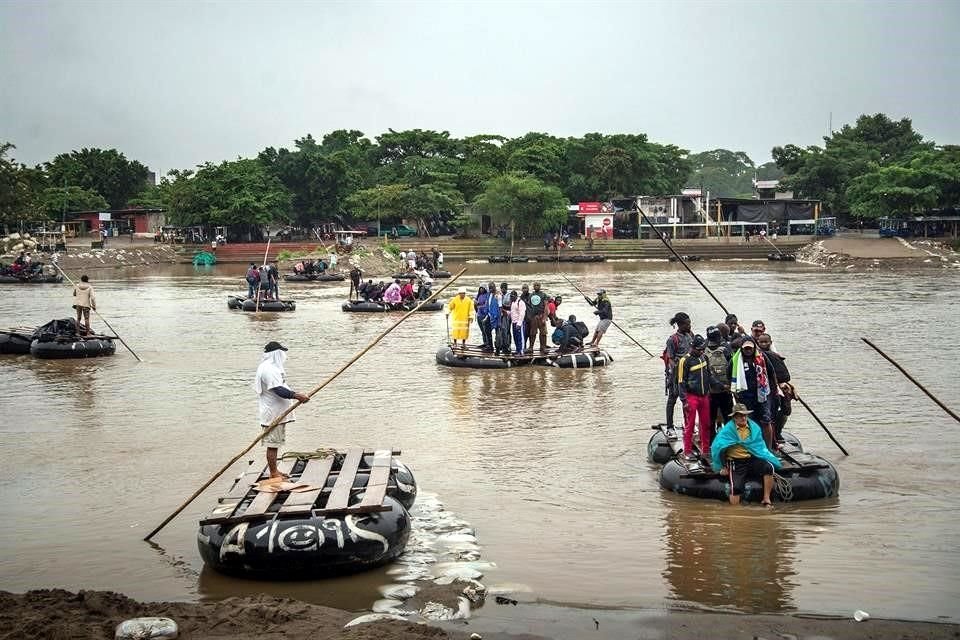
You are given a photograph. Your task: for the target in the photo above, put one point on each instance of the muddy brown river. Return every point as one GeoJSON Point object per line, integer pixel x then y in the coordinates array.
{"type": "Point", "coordinates": [548, 466]}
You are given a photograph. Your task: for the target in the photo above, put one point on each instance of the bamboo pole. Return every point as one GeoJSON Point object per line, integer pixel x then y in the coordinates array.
{"type": "Point", "coordinates": [911, 379]}
{"type": "Point", "coordinates": [682, 261]}
{"type": "Point", "coordinates": [612, 322]}
{"type": "Point", "coordinates": [314, 391]}
{"type": "Point", "coordinates": [256, 308]}
{"type": "Point", "coordinates": [102, 319]}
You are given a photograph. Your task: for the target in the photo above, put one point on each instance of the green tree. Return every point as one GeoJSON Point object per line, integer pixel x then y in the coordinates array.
{"type": "Point", "coordinates": [723, 172]}
{"type": "Point", "coordinates": [56, 200]}
{"type": "Point", "coordinates": [524, 201]}
{"type": "Point", "coordinates": [19, 190]}
{"type": "Point", "coordinates": [929, 179]}
{"type": "Point", "coordinates": [240, 192]}
{"type": "Point", "coordinates": [106, 171]}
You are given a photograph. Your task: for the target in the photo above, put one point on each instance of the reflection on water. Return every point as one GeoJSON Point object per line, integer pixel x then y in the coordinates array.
{"type": "Point", "coordinates": [740, 558]}
{"type": "Point", "coordinates": [547, 464]}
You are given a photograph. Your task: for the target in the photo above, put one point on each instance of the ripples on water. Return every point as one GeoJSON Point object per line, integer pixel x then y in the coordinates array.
{"type": "Point", "coordinates": [548, 465]}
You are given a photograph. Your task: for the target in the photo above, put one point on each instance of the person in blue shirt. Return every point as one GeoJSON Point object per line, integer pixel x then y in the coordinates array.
{"type": "Point", "coordinates": [739, 452]}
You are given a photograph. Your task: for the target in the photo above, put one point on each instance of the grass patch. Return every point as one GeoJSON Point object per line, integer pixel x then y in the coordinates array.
{"type": "Point", "coordinates": [391, 248]}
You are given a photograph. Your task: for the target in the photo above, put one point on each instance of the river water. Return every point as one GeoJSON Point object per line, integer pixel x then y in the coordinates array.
{"type": "Point", "coordinates": [547, 465]}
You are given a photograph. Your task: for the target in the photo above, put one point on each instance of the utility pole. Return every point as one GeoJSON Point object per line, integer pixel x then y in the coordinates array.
{"type": "Point", "coordinates": [63, 211]}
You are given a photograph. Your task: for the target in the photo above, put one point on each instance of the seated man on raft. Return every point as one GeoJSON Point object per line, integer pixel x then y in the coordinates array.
{"type": "Point", "coordinates": [739, 452]}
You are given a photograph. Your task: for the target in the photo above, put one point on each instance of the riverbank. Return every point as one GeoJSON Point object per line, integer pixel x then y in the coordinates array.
{"type": "Point", "coordinates": [90, 615]}
{"type": "Point", "coordinates": [858, 253]}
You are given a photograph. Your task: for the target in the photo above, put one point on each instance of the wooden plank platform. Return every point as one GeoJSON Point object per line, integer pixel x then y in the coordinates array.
{"type": "Point", "coordinates": [317, 472]}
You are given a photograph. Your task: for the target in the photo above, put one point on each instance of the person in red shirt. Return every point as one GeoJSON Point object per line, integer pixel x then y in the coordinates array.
{"type": "Point", "coordinates": [406, 292]}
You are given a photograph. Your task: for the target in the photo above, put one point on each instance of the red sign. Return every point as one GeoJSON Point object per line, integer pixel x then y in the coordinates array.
{"type": "Point", "coordinates": [607, 222]}
{"type": "Point", "coordinates": [590, 207]}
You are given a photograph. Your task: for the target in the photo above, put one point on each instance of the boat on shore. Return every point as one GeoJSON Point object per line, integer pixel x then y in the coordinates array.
{"type": "Point", "coordinates": [474, 357]}
{"type": "Point", "coordinates": [337, 513]}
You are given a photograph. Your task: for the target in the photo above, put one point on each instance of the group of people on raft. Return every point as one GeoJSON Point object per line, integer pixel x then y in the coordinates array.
{"type": "Point", "coordinates": [23, 267]}
{"type": "Point", "coordinates": [263, 281]}
{"type": "Point", "coordinates": [503, 314]}
{"type": "Point", "coordinates": [721, 381]}
{"type": "Point", "coordinates": [413, 261]}
{"type": "Point", "coordinates": [395, 294]}
{"type": "Point", "coordinates": [311, 267]}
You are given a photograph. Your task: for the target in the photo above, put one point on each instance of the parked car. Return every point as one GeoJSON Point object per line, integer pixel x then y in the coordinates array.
{"type": "Point", "coordinates": [393, 230]}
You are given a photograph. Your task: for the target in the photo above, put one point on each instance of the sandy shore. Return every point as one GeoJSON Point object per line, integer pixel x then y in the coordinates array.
{"type": "Point", "coordinates": [858, 253]}
{"type": "Point", "coordinates": [89, 615]}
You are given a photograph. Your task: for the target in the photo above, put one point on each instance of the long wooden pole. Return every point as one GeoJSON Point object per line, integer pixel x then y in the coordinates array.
{"type": "Point", "coordinates": [256, 308]}
{"type": "Point", "coordinates": [682, 261]}
{"type": "Point", "coordinates": [314, 391]}
{"type": "Point", "coordinates": [102, 319]}
{"type": "Point", "coordinates": [612, 322]}
{"type": "Point", "coordinates": [911, 379]}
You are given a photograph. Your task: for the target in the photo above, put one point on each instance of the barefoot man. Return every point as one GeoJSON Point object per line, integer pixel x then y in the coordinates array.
{"type": "Point", "coordinates": [275, 397]}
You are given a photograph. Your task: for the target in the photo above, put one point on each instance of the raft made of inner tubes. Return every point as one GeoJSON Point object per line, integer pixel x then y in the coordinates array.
{"type": "Point", "coordinates": [450, 358]}
{"type": "Point", "coordinates": [364, 306]}
{"type": "Point", "coordinates": [475, 358]}
{"type": "Point", "coordinates": [331, 528]}
{"type": "Point", "coordinates": [811, 479]}
{"type": "Point", "coordinates": [502, 259]}
{"type": "Point", "coordinates": [661, 451]}
{"type": "Point", "coordinates": [438, 275]}
{"type": "Point", "coordinates": [314, 277]}
{"type": "Point", "coordinates": [235, 302]}
{"type": "Point", "coordinates": [694, 258]}
{"type": "Point", "coordinates": [579, 360]}
{"type": "Point", "coordinates": [15, 342]}
{"type": "Point", "coordinates": [7, 279]}
{"type": "Point", "coordinates": [782, 257]}
{"type": "Point", "coordinates": [268, 305]}
{"type": "Point", "coordinates": [72, 347]}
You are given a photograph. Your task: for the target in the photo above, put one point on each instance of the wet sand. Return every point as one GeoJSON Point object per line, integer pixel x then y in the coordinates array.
{"type": "Point", "coordinates": [90, 615]}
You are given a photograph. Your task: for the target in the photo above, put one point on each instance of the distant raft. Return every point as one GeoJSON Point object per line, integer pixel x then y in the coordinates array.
{"type": "Point", "coordinates": [502, 259]}
{"type": "Point", "coordinates": [439, 275]}
{"type": "Point", "coordinates": [782, 257]}
{"type": "Point", "coordinates": [272, 306]}
{"type": "Point", "coordinates": [572, 258]}
{"type": "Point", "coordinates": [692, 258]}
{"type": "Point", "coordinates": [314, 277]}
{"type": "Point", "coordinates": [369, 306]}
{"type": "Point", "coordinates": [473, 357]}
{"type": "Point", "coordinates": [348, 513]}
{"type": "Point", "coordinates": [35, 279]}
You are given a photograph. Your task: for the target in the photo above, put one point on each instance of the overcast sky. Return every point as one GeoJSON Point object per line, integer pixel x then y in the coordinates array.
{"type": "Point", "coordinates": [173, 84]}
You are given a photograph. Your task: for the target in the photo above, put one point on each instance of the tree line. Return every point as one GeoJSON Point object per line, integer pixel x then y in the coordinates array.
{"type": "Point", "coordinates": [873, 168]}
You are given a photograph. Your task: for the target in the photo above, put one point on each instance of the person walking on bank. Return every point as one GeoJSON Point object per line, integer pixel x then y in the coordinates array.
{"type": "Point", "coordinates": [739, 452]}
{"type": "Point", "coordinates": [693, 386]}
{"type": "Point", "coordinates": [605, 312]}
{"type": "Point", "coordinates": [462, 310]}
{"type": "Point", "coordinates": [275, 397]}
{"type": "Point", "coordinates": [83, 292]}
{"type": "Point", "coordinates": [678, 345]}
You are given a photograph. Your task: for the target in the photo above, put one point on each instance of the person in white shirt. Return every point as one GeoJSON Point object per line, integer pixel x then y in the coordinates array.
{"type": "Point", "coordinates": [275, 398]}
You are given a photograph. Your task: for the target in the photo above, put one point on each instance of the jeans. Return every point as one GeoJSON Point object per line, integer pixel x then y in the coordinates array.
{"type": "Point", "coordinates": [250, 287]}
{"type": "Point", "coordinates": [519, 337]}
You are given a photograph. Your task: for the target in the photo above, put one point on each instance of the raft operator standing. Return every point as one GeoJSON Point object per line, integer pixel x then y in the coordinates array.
{"type": "Point", "coordinates": [270, 383]}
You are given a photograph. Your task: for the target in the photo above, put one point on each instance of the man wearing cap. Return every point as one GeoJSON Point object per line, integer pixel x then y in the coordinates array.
{"type": "Point", "coordinates": [693, 385]}
{"type": "Point", "coordinates": [270, 383]}
{"type": "Point", "coordinates": [739, 452]}
{"type": "Point", "coordinates": [461, 312]}
{"type": "Point", "coordinates": [753, 380]}
{"type": "Point", "coordinates": [605, 313]}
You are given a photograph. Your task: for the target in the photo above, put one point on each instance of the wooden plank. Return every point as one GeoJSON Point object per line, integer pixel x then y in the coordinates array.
{"type": "Point", "coordinates": [262, 501]}
{"type": "Point", "coordinates": [379, 477]}
{"type": "Point", "coordinates": [243, 484]}
{"type": "Point", "coordinates": [315, 473]}
{"type": "Point", "coordinates": [341, 489]}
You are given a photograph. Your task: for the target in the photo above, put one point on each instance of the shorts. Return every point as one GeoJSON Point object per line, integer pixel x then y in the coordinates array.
{"type": "Point", "coordinates": [603, 325]}
{"type": "Point", "coordinates": [276, 438]}
{"type": "Point", "coordinates": [742, 469]}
